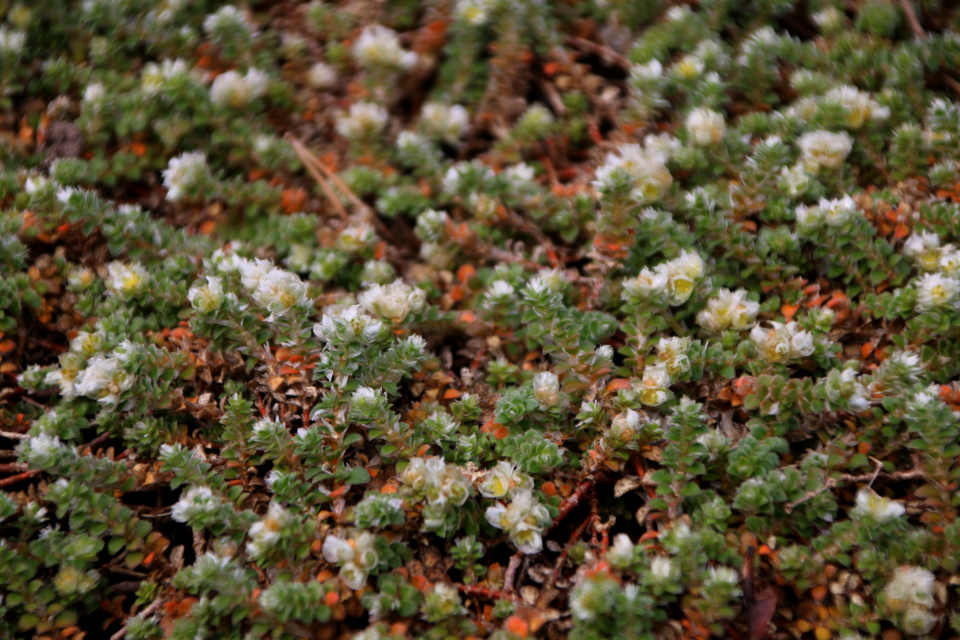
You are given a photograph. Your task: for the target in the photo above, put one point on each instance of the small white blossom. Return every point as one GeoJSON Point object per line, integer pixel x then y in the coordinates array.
{"type": "Point", "coordinates": [620, 553]}
{"type": "Point", "coordinates": [230, 89]}
{"type": "Point", "coordinates": [824, 150]}
{"type": "Point", "coordinates": [126, 279]}
{"type": "Point", "coordinates": [447, 122]}
{"type": "Point", "coordinates": [278, 291]}
{"type": "Point", "coordinates": [321, 76]}
{"type": "Point", "coordinates": [12, 42]}
{"type": "Point", "coordinates": [729, 311]}
{"type": "Point", "coordinates": [379, 46]}
{"type": "Point", "coordinates": [880, 509]}
{"type": "Point", "coordinates": [782, 342]}
{"type": "Point", "coordinates": [546, 389]}
{"type": "Point", "coordinates": [794, 180]}
{"type": "Point", "coordinates": [523, 519]}
{"type": "Point", "coordinates": [860, 107]}
{"type": "Point", "coordinates": [185, 174]}
{"type": "Point", "coordinates": [208, 297]}
{"type": "Point", "coordinates": [910, 586]}
{"type": "Point", "coordinates": [502, 479]}
{"type": "Point", "coordinates": [654, 385]}
{"type": "Point", "coordinates": [936, 290]}
{"type": "Point", "coordinates": [650, 176]}
{"type": "Point", "coordinates": [474, 12]}
{"type": "Point", "coordinates": [706, 127]}
{"type": "Point", "coordinates": [195, 501]}
{"type": "Point", "coordinates": [393, 301]}
{"type": "Point", "coordinates": [365, 119]}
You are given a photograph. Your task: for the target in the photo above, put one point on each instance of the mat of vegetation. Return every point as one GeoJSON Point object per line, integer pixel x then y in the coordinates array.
{"type": "Point", "coordinates": [479, 318]}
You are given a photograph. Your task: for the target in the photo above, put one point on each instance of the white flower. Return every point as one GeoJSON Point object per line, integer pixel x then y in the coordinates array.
{"type": "Point", "coordinates": [882, 510]}
{"type": "Point", "coordinates": [860, 107]}
{"type": "Point", "coordinates": [924, 248]}
{"type": "Point", "coordinates": [474, 12]}
{"type": "Point", "coordinates": [35, 184]}
{"type": "Point", "coordinates": [155, 77]}
{"type": "Point", "coordinates": [500, 292]}
{"type": "Point", "coordinates": [94, 96]}
{"type": "Point", "coordinates": [706, 127]}
{"type": "Point", "coordinates": [438, 254]}
{"type": "Point", "coordinates": [523, 519]}
{"type": "Point", "coordinates": [41, 450]}
{"type": "Point", "coordinates": [447, 122]}
{"type": "Point", "coordinates": [936, 290]}
{"type": "Point", "coordinates": [682, 273]}
{"type": "Point", "coordinates": [808, 218]}
{"type": "Point", "coordinates": [729, 311]}
{"type": "Point", "coordinates": [278, 291]}
{"type": "Point", "coordinates": [661, 146]}
{"type": "Point", "coordinates": [782, 342]}
{"type": "Point", "coordinates": [830, 19]}
{"type": "Point", "coordinates": [206, 298]}
{"type": "Point", "coordinates": [230, 89]}
{"type": "Point", "coordinates": [620, 553]}
{"type": "Point", "coordinates": [379, 46]}
{"type": "Point", "coordinates": [103, 379]}
{"type": "Point", "coordinates": [126, 280]}
{"type": "Point", "coordinates": [502, 479]}
{"type": "Point", "coordinates": [348, 324]}
{"type": "Point", "coordinates": [672, 355]}
{"type": "Point", "coordinates": [546, 389]}
{"type": "Point", "coordinates": [625, 425]}
{"type": "Point", "coordinates": [12, 42]}
{"type": "Point", "coordinates": [393, 301]}
{"type": "Point", "coordinates": [653, 387]}
{"type": "Point", "coordinates": [824, 150]}
{"type": "Point", "coordinates": [794, 180]}
{"type": "Point", "coordinates": [647, 285]}
{"type": "Point", "coordinates": [651, 178]}
{"type": "Point", "coordinates": [265, 534]}
{"type": "Point", "coordinates": [321, 76]}
{"type": "Point", "coordinates": [365, 119]}
{"type": "Point", "coordinates": [662, 569]}
{"type": "Point", "coordinates": [950, 261]}
{"type": "Point", "coordinates": [688, 67]}
{"type": "Point", "coordinates": [356, 237]}
{"type": "Point", "coordinates": [838, 212]}
{"type": "Point", "coordinates": [910, 586]}
{"type": "Point", "coordinates": [195, 501]}
{"type": "Point", "coordinates": [227, 18]}
{"type": "Point", "coordinates": [726, 576]}
{"type": "Point", "coordinates": [252, 271]}
{"type": "Point", "coordinates": [185, 174]}
{"type": "Point", "coordinates": [337, 550]}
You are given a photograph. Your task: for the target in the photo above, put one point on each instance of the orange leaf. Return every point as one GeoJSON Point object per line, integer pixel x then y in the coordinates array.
{"type": "Point", "coordinates": [293, 200]}
{"type": "Point", "coordinates": [373, 472]}
{"type": "Point", "coordinates": [618, 383]}
{"type": "Point", "coordinates": [418, 582]}
{"type": "Point", "coordinates": [7, 346]}
{"type": "Point", "coordinates": [457, 293]}
{"type": "Point", "coordinates": [549, 488]}
{"type": "Point", "coordinates": [788, 310]}
{"type": "Point", "coordinates": [339, 491]}
{"type": "Point", "coordinates": [332, 598]}
{"type": "Point", "coordinates": [388, 488]}
{"type": "Point", "coordinates": [819, 592]}
{"type": "Point", "coordinates": [902, 231]}
{"type": "Point", "coordinates": [450, 394]}
{"type": "Point", "coordinates": [517, 626]}
{"type": "Point", "coordinates": [501, 433]}
{"type": "Point", "coordinates": [423, 450]}
{"type": "Point", "coordinates": [866, 350]}
{"type": "Point", "coordinates": [139, 149]}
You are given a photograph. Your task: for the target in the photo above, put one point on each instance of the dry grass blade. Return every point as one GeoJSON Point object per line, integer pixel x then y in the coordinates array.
{"type": "Point", "coordinates": [315, 168]}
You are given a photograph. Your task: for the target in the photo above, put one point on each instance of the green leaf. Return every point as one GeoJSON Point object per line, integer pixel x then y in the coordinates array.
{"type": "Point", "coordinates": [358, 475]}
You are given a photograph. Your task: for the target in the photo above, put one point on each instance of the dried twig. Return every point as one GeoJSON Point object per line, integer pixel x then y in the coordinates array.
{"type": "Point", "coordinates": [153, 606]}
{"type": "Point", "coordinates": [486, 592]}
{"type": "Point", "coordinates": [833, 482]}
{"type": "Point", "coordinates": [14, 436]}
{"type": "Point", "coordinates": [315, 168]}
{"type": "Point", "coordinates": [20, 476]}
{"type": "Point", "coordinates": [606, 53]}
{"type": "Point", "coordinates": [908, 10]}
{"type": "Point", "coordinates": [512, 567]}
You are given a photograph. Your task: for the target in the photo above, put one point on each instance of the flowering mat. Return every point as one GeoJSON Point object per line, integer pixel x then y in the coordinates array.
{"type": "Point", "coordinates": [479, 319]}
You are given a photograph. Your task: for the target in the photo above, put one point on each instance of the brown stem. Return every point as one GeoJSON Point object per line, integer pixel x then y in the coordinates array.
{"type": "Point", "coordinates": [907, 7]}
{"type": "Point", "coordinates": [20, 476]}
{"type": "Point", "coordinates": [833, 482]}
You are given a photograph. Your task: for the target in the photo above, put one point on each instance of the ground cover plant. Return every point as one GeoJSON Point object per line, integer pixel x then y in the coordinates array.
{"type": "Point", "coordinates": [479, 318]}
